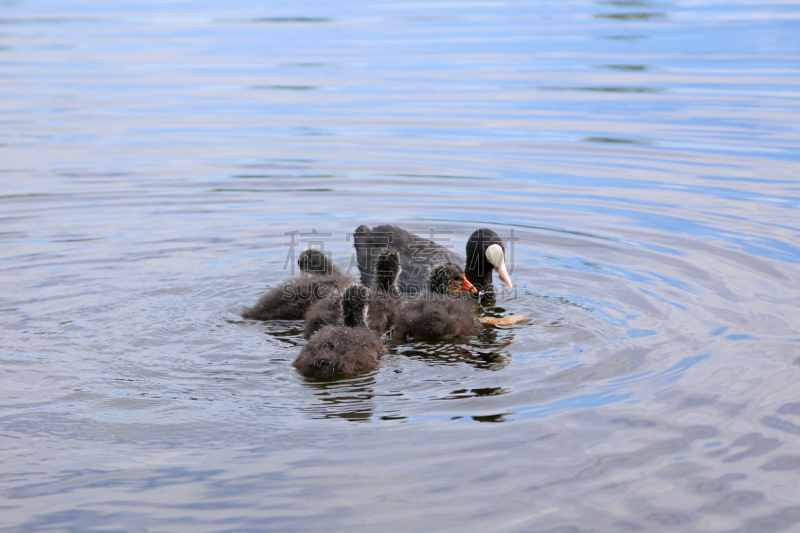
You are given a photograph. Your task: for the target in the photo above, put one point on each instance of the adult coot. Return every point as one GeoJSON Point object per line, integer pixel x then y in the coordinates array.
{"type": "Point", "coordinates": [485, 254]}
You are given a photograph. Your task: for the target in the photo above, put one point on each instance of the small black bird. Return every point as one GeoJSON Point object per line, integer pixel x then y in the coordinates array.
{"type": "Point", "coordinates": [291, 299]}
{"type": "Point", "coordinates": [440, 314]}
{"type": "Point", "coordinates": [384, 302]}
{"type": "Point", "coordinates": [343, 350]}
{"type": "Point", "coordinates": [386, 299]}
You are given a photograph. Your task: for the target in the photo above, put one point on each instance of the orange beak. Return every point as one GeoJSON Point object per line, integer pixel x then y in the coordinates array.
{"type": "Point", "coordinates": [466, 285]}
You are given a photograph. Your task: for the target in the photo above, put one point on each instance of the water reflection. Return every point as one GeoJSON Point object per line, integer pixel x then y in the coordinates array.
{"type": "Point", "coordinates": [485, 350]}
{"type": "Point", "coordinates": [283, 333]}
{"type": "Point", "coordinates": [608, 463]}
{"type": "Point", "coordinates": [501, 417]}
{"type": "Point", "coordinates": [604, 89]}
{"type": "Point", "coordinates": [648, 162]}
{"type": "Point", "coordinates": [616, 140]}
{"type": "Point", "coordinates": [782, 464]}
{"type": "Point", "coordinates": [720, 484]}
{"type": "Point", "coordinates": [623, 37]}
{"type": "Point", "coordinates": [349, 399]}
{"type": "Point", "coordinates": [625, 68]}
{"type": "Point", "coordinates": [287, 87]}
{"type": "Point", "coordinates": [631, 16]}
{"type": "Point", "coordinates": [277, 20]}
{"type": "Point", "coordinates": [628, 3]}
{"type": "Point", "coordinates": [622, 362]}
{"type": "Point", "coordinates": [480, 355]}
{"type": "Point", "coordinates": [778, 521]}
{"type": "Point", "coordinates": [782, 423]}
{"type": "Point", "coordinates": [476, 393]}
{"type": "Point", "coordinates": [755, 443]}
{"type": "Point", "coordinates": [734, 502]}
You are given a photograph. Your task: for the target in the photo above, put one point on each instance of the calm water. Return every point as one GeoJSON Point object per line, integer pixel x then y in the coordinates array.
{"type": "Point", "coordinates": [643, 157]}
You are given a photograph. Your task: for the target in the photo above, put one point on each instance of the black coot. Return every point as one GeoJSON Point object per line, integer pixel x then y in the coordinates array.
{"type": "Point", "coordinates": [386, 299]}
{"type": "Point", "coordinates": [485, 254]}
{"type": "Point", "coordinates": [291, 299]}
{"type": "Point", "coordinates": [384, 302]}
{"type": "Point", "coordinates": [350, 349]}
{"type": "Point", "coordinates": [440, 314]}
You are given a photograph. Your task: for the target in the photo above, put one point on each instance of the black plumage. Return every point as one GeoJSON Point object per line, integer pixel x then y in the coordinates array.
{"type": "Point", "coordinates": [418, 254]}
{"type": "Point", "coordinates": [291, 299]}
{"type": "Point", "coordinates": [326, 312]}
{"type": "Point", "coordinates": [348, 349]}
{"type": "Point", "coordinates": [385, 299]}
{"type": "Point", "coordinates": [485, 254]}
{"type": "Point", "coordinates": [440, 314]}
{"type": "Point", "coordinates": [437, 316]}
{"type": "Point", "coordinates": [315, 262]}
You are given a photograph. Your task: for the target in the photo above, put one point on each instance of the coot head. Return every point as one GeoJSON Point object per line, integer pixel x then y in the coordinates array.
{"type": "Point", "coordinates": [314, 262]}
{"type": "Point", "coordinates": [448, 278]}
{"type": "Point", "coordinates": [486, 253]}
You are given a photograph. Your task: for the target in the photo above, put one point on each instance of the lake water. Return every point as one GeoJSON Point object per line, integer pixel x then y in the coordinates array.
{"type": "Point", "coordinates": [641, 159]}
